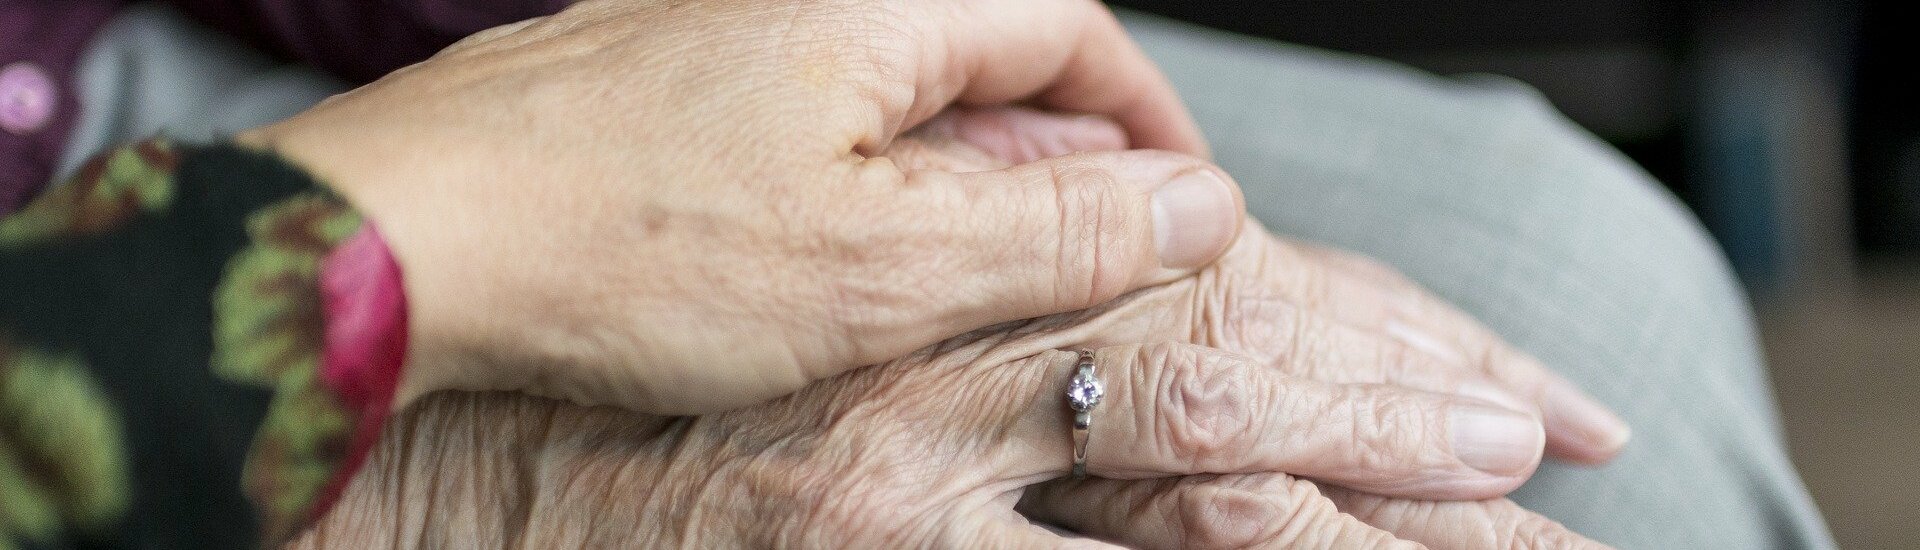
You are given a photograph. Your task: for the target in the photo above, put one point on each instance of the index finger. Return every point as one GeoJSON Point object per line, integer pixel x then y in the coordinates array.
{"type": "Point", "coordinates": [1066, 55]}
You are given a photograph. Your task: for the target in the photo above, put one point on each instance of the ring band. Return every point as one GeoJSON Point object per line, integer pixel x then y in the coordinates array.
{"type": "Point", "coordinates": [1083, 394]}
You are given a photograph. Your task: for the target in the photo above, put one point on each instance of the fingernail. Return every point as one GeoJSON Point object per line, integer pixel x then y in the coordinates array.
{"type": "Point", "coordinates": [1495, 440]}
{"type": "Point", "coordinates": [1193, 216]}
{"type": "Point", "coordinates": [1592, 423]}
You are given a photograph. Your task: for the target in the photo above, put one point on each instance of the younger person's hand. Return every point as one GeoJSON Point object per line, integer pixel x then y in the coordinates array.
{"type": "Point", "coordinates": [682, 207]}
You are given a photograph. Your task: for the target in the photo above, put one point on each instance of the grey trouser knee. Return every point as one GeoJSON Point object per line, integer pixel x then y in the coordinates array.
{"type": "Point", "coordinates": [1479, 190]}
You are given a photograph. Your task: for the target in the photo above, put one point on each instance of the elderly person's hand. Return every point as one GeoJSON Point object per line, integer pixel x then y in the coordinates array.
{"type": "Point", "coordinates": [933, 448]}
{"type": "Point", "coordinates": [681, 207]}
{"type": "Point", "coordinates": [1305, 310]}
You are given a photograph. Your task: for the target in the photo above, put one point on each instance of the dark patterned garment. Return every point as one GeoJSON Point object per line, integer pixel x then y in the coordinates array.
{"type": "Point", "coordinates": [197, 348]}
{"type": "Point", "coordinates": [197, 345]}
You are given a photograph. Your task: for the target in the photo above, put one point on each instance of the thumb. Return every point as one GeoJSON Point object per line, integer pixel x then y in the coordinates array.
{"type": "Point", "coordinates": [1075, 231]}
{"type": "Point", "coordinates": [1055, 235]}
{"type": "Point", "coordinates": [1093, 225]}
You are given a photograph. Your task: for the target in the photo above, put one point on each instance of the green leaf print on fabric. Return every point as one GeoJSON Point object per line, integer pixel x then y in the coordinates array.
{"type": "Point", "coordinates": [268, 332]}
{"type": "Point", "coordinates": [63, 458]}
{"type": "Point", "coordinates": [103, 195]}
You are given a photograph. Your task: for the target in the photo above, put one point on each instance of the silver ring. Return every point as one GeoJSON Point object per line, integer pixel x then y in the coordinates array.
{"type": "Point", "coordinates": [1083, 394]}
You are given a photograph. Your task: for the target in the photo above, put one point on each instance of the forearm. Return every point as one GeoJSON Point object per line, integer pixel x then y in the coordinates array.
{"type": "Point", "coordinates": [205, 330]}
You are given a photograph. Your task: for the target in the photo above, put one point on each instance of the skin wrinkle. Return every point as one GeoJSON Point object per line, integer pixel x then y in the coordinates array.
{"type": "Point", "coordinates": [746, 490]}
{"type": "Point", "coordinates": [675, 443]}
{"type": "Point", "coordinates": [613, 486]}
{"type": "Point", "coordinates": [887, 305]}
{"type": "Point", "coordinates": [705, 485]}
{"type": "Point", "coordinates": [841, 517]}
{"type": "Point", "coordinates": [479, 462]}
{"type": "Point", "coordinates": [1002, 393]}
{"type": "Point", "coordinates": [1297, 348]}
{"type": "Point", "coordinates": [1230, 323]}
{"type": "Point", "coordinates": [695, 466]}
{"type": "Point", "coordinates": [519, 516]}
{"type": "Point", "coordinates": [1066, 262]}
{"type": "Point", "coordinates": [1483, 524]}
{"type": "Point", "coordinates": [1107, 237]}
{"type": "Point", "coordinates": [832, 507]}
{"type": "Point", "coordinates": [423, 489]}
{"type": "Point", "coordinates": [1298, 536]}
{"type": "Point", "coordinates": [1218, 409]}
{"type": "Point", "coordinates": [937, 526]}
{"type": "Point", "coordinates": [1398, 360]}
{"type": "Point", "coordinates": [1476, 342]}
{"type": "Point", "coordinates": [1180, 512]}
{"type": "Point", "coordinates": [1219, 516]}
{"type": "Point", "coordinates": [1369, 421]}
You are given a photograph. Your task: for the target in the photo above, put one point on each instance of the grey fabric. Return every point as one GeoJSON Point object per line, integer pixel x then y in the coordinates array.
{"type": "Point", "coordinates": [151, 71]}
{"type": "Point", "coordinates": [1479, 190]}
{"type": "Point", "coordinates": [1474, 187]}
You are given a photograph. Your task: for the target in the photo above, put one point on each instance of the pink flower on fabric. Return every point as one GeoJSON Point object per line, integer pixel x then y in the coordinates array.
{"type": "Point", "coordinates": [365, 344]}
{"type": "Point", "coordinates": [366, 313]}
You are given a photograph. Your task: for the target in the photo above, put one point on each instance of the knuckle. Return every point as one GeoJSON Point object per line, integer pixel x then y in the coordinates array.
{"type": "Point", "coordinates": [1267, 511]}
{"type": "Point", "coordinates": [1093, 223]}
{"type": "Point", "coordinates": [1225, 516]}
{"type": "Point", "coordinates": [1203, 410]}
{"type": "Point", "coordinates": [1389, 434]}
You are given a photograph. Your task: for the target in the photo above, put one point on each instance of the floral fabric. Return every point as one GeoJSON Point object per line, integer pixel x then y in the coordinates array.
{"type": "Point", "coordinates": [163, 324]}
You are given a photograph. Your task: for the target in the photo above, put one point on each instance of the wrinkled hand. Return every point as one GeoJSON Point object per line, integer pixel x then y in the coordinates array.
{"type": "Point", "coordinates": [682, 207]}
{"type": "Point", "coordinates": [1305, 310]}
{"type": "Point", "coordinates": [931, 451]}
{"type": "Point", "coordinates": [486, 470]}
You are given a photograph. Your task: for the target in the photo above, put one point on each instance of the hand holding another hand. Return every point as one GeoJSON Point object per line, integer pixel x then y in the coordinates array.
{"type": "Point", "coordinates": [684, 207]}
{"type": "Point", "coordinates": [953, 445]}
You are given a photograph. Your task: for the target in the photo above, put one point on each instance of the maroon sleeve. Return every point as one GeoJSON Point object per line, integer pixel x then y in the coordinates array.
{"type": "Point", "coordinates": [361, 39]}
{"type": "Point", "coordinates": [40, 42]}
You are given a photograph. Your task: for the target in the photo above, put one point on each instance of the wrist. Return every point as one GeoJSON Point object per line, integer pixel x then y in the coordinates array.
{"type": "Point", "coordinates": [401, 192]}
{"type": "Point", "coordinates": [368, 331]}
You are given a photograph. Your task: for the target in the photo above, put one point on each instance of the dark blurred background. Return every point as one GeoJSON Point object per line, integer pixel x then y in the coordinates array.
{"type": "Point", "coordinates": [1791, 128]}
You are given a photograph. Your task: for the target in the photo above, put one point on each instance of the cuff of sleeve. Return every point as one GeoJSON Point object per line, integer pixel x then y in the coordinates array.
{"type": "Point", "coordinates": [153, 248]}
{"type": "Point", "coordinates": [365, 345]}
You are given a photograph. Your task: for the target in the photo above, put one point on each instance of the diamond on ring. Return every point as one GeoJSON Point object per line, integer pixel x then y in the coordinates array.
{"type": "Point", "coordinates": [1085, 391]}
